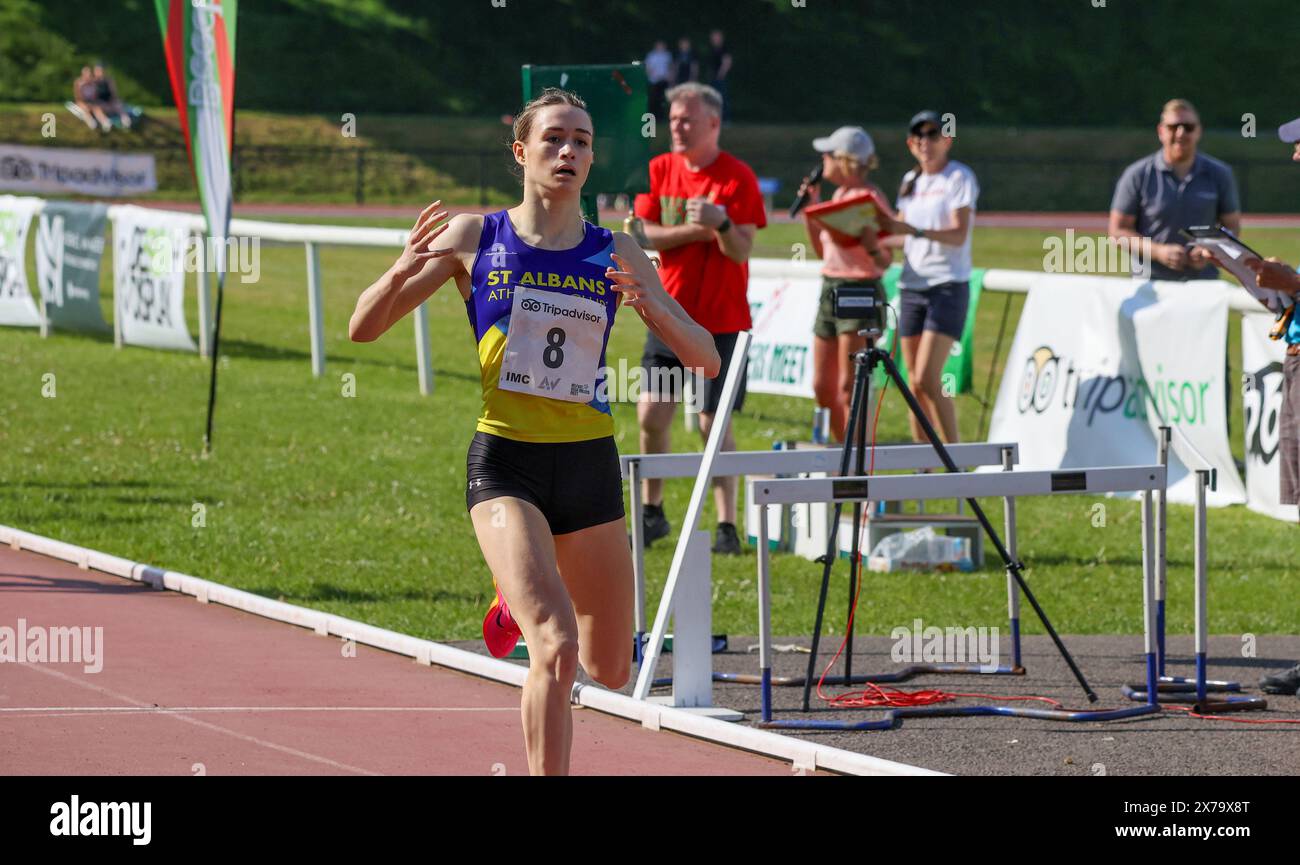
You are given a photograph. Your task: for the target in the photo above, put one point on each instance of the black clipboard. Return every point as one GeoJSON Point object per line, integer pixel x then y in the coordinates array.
{"type": "Point", "coordinates": [1232, 253]}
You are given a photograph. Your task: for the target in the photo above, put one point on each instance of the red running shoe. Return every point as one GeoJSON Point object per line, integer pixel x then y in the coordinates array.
{"type": "Point", "coordinates": [500, 632]}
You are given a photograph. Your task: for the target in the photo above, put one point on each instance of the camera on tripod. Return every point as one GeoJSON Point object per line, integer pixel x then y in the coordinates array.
{"type": "Point", "coordinates": [862, 302]}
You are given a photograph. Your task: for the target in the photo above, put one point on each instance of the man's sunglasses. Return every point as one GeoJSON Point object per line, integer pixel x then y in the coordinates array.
{"type": "Point", "coordinates": [930, 133]}
{"type": "Point", "coordinates": [1186, 127]}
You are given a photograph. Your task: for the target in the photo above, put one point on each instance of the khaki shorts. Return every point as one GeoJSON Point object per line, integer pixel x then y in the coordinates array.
{"type": "Point", "coordinates": [827, 326]}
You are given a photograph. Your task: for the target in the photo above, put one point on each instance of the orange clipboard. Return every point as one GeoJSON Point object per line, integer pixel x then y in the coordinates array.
{"type": "Point", "coordinates": [852, 213]}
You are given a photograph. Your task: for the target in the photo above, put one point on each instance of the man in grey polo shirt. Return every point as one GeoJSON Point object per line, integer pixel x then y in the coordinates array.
{"type": "Point", "coordinates": [1175, 188]}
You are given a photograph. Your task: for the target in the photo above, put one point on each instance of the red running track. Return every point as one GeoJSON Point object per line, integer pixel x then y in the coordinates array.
{"type": "Point", "coordinates": [188, 688]}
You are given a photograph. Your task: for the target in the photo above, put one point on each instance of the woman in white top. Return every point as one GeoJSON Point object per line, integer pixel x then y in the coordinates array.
{"type": "Point", "coordinates": [936, 213]}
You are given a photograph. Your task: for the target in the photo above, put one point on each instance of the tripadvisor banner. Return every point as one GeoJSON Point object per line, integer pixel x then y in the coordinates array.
{"type": "Point", "coordinates": [956, 376]}
{"type": "Point", "coordinates": [16, 304]}
{"type": "Point", "coordinates": [1261, 399]}
{"type": "Point", "coordinates": [1099, 364]}
{"type": "Point", "coordinates": [149, 250]}
{"type": "Point", "coordinates": [69, 247]}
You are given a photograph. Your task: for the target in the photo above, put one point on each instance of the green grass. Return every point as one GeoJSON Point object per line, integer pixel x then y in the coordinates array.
{"type": "Point", "coordinates": [356, 505]}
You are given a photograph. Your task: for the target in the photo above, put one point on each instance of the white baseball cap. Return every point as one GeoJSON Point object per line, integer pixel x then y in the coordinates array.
{"type": "Point", "coordinates": [852, 140]}
{"type": "Point", "coordinates": [1290, 132]}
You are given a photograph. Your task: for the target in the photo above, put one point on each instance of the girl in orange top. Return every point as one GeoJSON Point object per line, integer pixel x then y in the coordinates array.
{"type": "Point", "coordinates": [848, 156]}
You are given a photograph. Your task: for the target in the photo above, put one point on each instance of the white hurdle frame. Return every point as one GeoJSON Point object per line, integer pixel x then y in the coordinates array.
{"type": "Point", "coordinates": [650, 657]}
{"type": "Point", "coordinates": [639, 467]}
{"type": "Point", "coordinates": [1006, 484]}
{"type": "Point", "coordinates": [693, 650]}
{"type": "Point", "coordinates": [1206, 480]}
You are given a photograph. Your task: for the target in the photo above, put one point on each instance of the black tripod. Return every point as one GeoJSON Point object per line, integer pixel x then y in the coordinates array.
{"type": "Point", "coordinates": [855, 439]}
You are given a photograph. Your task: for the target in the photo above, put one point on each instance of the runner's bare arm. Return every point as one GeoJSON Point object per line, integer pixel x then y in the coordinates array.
{"type": "Point", "coordinates": [429, 259]}
{"type": "Point", "coordinates": [639, 283]}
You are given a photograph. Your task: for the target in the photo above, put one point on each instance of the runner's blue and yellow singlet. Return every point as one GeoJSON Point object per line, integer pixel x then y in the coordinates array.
{"type": "Point", "coordinates": [575, 280]}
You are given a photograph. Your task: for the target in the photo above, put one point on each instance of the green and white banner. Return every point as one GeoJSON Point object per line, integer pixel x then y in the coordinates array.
{"type": "Point", "coordinates": [199, 46]}
{"type": "Point", "coordinates": [16, 304]}
{"type": "Point", "coordinates": [69, 248]}
{"type": "Point", "coordinates": [149, 250]}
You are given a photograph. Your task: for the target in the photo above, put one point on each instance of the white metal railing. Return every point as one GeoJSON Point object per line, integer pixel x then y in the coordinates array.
{"type": "Point", "coordinates": [315, 236]}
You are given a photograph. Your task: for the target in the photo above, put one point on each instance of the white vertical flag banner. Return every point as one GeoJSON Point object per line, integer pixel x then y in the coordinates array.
{"type": "Point", "coordinates": [1098, 364]}
{"type": "Point", "coordinates": [17, 307]}
{"type": "Point", "coordinates": [780, 357]}
{"type": "Point", "coordinates": [149, 250]}
{"type": "Point", "coordinates": [1261, 399]}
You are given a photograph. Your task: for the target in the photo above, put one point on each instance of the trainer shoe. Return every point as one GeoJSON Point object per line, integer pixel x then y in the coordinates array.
{"type": "Point", "coordinates": [500, 632]}
{"type": "Point", "coordinates": [654, 525]}
{"type": "Point", "coordinates": [726, 541]}
{"type": "Point", "coordinates": [1285, 682]}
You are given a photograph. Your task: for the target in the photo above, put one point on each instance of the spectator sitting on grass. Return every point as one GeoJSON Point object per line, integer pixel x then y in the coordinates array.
{"type": "Point", "coordinates": [85, 95]}
{"type": "Point", "coordinates": [106, 93]}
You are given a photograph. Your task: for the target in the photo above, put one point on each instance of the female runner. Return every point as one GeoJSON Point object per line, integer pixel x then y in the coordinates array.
{"type": "Point", "coordinates": [541, 287]}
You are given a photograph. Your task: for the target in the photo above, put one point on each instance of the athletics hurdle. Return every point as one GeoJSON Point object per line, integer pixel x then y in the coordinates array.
{"type": "Point", "coordinates": [1006, 484]}
{"type": "Point", "coordinates": [1179, 689]}
{"type": "Point", "coordinates": [637, 467]}
{"type": "Point", "coordinates": [691, 547]}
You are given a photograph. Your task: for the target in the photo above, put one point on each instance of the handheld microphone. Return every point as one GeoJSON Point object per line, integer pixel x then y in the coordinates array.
{"type": "Point", "coordinates": [814, 178]}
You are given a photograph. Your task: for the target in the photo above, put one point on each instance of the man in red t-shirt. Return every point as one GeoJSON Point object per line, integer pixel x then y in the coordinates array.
{"type": "Point", "coordinates": [702, 212]}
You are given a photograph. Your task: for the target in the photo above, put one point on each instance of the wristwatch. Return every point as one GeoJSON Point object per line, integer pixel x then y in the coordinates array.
{"type": "Point", "coordinates": [725, 226]}
{"type": "Point", "coordinates": [918, 232]}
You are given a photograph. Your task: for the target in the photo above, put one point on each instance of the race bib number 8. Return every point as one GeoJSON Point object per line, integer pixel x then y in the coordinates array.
{"type": "Point", "coordinates": [553, 345]}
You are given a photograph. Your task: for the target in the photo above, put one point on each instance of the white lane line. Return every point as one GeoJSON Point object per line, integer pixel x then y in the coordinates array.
{"type": "Point", "coordinates": [284, 749]}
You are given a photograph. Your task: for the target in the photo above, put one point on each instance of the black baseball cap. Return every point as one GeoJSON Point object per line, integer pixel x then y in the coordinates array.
{"type": "Point", "coordinates": [923, 117]}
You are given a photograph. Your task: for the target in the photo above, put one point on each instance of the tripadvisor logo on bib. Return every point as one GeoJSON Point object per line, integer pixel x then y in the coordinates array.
{"type": "Point", "coordinates": [1092, 392]}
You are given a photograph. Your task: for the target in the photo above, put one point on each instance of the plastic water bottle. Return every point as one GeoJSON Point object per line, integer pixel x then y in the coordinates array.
{"type": "Point", "coordinates": [821, 426]}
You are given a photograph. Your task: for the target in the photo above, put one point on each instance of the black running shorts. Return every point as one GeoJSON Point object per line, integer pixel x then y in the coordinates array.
{"type": "Point", "coordinates": [575, 485]}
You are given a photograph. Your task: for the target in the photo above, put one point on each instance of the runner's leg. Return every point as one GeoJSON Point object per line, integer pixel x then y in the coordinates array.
{"type": "Point", "coordinates": [596, 566]}
{"type": "Point", "coordinates": [519, 550]}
